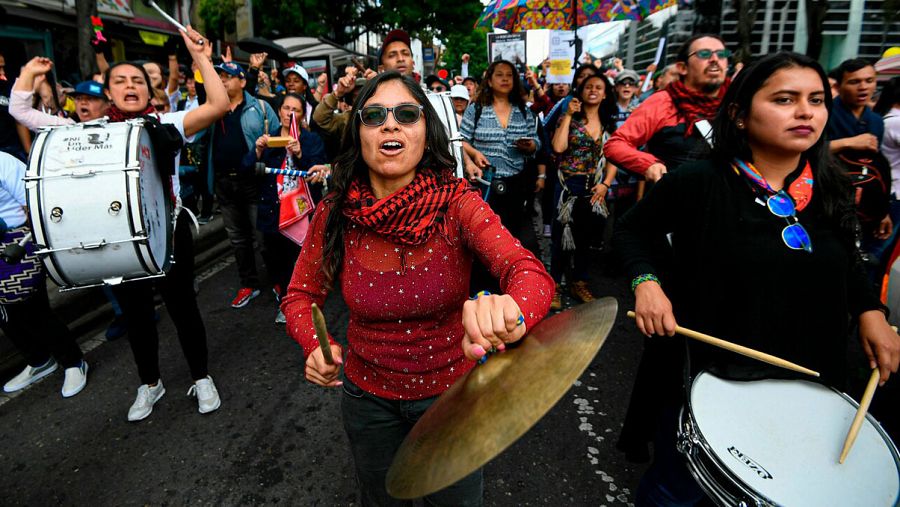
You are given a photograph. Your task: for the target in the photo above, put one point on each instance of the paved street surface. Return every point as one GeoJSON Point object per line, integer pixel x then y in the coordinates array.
{"type": "Point", "coordinates": [277, 439]}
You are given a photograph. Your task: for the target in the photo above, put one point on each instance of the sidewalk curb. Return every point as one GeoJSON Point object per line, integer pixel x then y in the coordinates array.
{"type": "Point", "coordinates": [88, 309]}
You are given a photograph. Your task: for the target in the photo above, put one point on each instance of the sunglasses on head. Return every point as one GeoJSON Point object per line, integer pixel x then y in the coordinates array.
{"type": "Point", "coordinates": [706, 54]}
{"type": "Point", "coordinates": [404, 114]}
{"type": "Point", "coordinates": [794, 234]}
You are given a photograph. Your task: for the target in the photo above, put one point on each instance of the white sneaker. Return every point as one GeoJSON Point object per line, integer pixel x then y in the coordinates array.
{"type": "Point", "coordinates": [207, 395]}
{"type": "Point", "coordinates": [76, 379]}
{"type": "Point", "coordinates": [30, 375]}
{"type": "Point", "coordinates": [146, 397]}
{"type": "Point", "coordinates": [279, 317]}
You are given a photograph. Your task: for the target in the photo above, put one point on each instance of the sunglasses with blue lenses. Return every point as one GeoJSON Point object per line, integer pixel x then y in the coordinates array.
{"type": "Point", "coordinates": [706, 54]}
{"type": "Point", "coordinates": [404, 114]}
{"type": "Point", "coordinates": [794, 234]}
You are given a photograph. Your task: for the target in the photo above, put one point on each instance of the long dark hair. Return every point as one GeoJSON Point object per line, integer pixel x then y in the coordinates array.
{"type": "Point", "coordinates": [830, 179]}
{"type": "Point", "coordinates": [890, 97]}
{"type": "Point", "coordinates": [607, 108]}
{"type": "Point", "coordinates": [584, 67]}
{"type": "Point", "coordinates": [350, 165]}
{"type": "Point", "coordinates": [485, 95]}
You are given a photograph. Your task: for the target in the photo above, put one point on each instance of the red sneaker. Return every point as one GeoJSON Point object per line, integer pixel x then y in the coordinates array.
{"type": "Point", "coordinates": [244, 295]}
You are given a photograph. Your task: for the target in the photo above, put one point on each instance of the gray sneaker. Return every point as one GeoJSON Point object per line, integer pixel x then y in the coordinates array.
{"type": "Point", "coordinates": [146, 397]}
{"type": "Point", "coordinates": [76, 379]}
{"type": "Point", "coordinates": [30, 375]}
{"type": "Point", "coordinates": [207, 395]}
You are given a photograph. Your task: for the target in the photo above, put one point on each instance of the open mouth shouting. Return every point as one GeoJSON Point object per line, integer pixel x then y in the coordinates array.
{"type": "Point", "coordinates": [391, 147]}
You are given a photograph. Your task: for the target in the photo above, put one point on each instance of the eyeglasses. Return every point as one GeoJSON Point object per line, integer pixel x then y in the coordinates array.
{"type": "Point", "coordinates": [794, 235]}
{"type": "Point", "coordinates": [706, 54]}
{"type": "Point", "coordinates": [404, 114]}
{"type": "Point", "coordinates": [627, 82]}
{"type": "Point", "coordinates": [159, 107]}
{"type": "Point", "coordinates": [438, 89]}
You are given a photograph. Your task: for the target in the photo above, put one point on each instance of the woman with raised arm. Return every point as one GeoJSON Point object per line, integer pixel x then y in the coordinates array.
{"type": "Point", "coordinates": [129, 90]}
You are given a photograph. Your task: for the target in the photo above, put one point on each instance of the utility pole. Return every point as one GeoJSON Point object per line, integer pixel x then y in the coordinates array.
{"type": "Point", "coordinates": [84, 9]}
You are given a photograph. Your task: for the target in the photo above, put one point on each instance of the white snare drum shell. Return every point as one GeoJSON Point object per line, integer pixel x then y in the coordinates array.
{"type": "Point", "coordinates": [782, 438]}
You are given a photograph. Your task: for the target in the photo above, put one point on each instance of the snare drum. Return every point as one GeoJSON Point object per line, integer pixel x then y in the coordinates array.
{"type": "Point", "coordinates": [777, 442]}
{"type": "Point", "coordinates": [97, 203]}
{"type": "Point", "coordinates": [443, 104]}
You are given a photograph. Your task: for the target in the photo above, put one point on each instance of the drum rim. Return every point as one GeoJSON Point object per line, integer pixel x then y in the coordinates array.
{"type": "Point", "coordinates": [753, 494]}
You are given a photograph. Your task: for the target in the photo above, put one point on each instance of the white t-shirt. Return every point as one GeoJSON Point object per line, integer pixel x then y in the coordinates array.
{"type": "Point", "coordinates": [890, 147]}
{"type": "Point", "coordinates": [12, 190]}
{"type": "Point", "coordinates": [176, 119]}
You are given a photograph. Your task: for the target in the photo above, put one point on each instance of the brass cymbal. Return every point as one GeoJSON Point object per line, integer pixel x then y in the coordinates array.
{"type": "Point", "coordinates": [494, 404]}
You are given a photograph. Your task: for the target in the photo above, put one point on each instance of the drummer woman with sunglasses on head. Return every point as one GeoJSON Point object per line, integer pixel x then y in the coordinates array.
{"type": "Point", "coordinates": [128, 87]}
{"type": "Point", "coordinates": [763, 251]}
{"type": "Point", "coordinates": [398, 234]}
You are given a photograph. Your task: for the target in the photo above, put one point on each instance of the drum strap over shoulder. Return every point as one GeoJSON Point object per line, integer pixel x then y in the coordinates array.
{"type": "Point", "coordinates": [167, 142]}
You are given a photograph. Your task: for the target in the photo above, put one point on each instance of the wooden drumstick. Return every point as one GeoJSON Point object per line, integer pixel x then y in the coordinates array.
{"type": "Point", "coordinates": [740, 349]}
{"type": "Point", "coordinates": [322, 334]}
{"type": "Point", "coordinates": [864, 403]}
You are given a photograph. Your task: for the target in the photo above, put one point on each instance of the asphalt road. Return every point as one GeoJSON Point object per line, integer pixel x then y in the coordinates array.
{"type": "Point", "coordinates": [277, 439]}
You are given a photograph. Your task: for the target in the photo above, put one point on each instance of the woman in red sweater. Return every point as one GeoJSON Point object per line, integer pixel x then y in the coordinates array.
{"type": "Point", "coordinates": [398, 234]}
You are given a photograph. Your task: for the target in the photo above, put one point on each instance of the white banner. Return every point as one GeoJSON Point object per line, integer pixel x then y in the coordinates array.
{"type": "Point", "coordinates": [562, 55]}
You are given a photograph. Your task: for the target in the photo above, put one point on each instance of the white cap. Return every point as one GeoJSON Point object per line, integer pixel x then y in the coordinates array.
{"type": "Point", "coordinates": [459, 92]}
{"type": "Point", "coordinates": [296, 69]}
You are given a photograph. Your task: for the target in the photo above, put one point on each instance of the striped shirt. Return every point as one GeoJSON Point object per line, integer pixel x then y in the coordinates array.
{"type": "Point", "coordinates": [496, 142]}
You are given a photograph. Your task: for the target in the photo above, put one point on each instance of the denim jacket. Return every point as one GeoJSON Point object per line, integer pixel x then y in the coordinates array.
{"type": "Point", "coordinates": [252, 121]}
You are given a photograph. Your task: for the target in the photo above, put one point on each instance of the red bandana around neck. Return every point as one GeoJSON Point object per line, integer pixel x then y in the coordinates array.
{"type": "Point", "coordinates": [694, 106]}
{"type": "Point", "coordinates": [115, 114]}
{"type": "Point", "coordinates": [409, 215]}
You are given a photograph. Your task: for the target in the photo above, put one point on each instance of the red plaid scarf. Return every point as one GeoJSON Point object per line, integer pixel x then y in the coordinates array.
{"type": "Point", "coordinates": [694, 106]}
{"type": "Point", "coordinates": [115, 114]}
{"type": "Point", "coordinates": [407, 216]}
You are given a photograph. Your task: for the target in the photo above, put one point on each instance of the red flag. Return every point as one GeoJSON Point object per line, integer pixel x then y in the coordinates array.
{"type": "Point", "coordinates": [296, 203]}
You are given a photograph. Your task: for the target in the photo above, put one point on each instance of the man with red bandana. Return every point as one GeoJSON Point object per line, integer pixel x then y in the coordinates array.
{"type": "Point", "coordinates": [667, 122]}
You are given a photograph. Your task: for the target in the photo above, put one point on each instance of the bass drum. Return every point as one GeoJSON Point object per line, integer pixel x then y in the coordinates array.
{"type": "Point", "coordinates": [99, 209]}
{"type": "Point", "coordinates": [443, 104]}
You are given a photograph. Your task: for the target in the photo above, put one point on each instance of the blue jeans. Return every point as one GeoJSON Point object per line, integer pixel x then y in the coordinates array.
{"type": "Point", "coordinates": [376, 427]}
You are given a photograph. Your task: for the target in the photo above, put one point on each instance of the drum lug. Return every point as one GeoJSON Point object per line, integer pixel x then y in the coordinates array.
{"type": "Point", "coordinates": [687, 441]}
{"type": "Point", "coordinates": [114, 280]}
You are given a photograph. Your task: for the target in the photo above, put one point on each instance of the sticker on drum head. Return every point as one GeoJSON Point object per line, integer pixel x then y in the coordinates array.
{"type": "Point", "coordinates": [749, 463]}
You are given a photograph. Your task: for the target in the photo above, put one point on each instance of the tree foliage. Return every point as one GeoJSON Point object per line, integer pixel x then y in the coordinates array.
{"type": "Point", "coordinates": [473, 42]}
{"type": "Point", "coordinates": [218, 17]}
{"type": "Point", "coordinates": [343, 21]}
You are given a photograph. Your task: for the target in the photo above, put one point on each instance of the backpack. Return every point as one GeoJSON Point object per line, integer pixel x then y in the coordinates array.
{"type": "Point", "coordinates": [870, 174]}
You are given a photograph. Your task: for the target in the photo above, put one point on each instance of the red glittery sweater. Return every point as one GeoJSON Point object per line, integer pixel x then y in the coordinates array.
{"type": "Point", "coordinates": [405, 302]}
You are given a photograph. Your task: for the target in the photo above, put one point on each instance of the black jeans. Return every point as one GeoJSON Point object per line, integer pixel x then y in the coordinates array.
{"type": "Point", "coordinates": [585, 225]}
{"type": "Point", "coordinates": [376, 427]}
{"type": "Point", "coordinates": [177, 290]}
{"type": "Point", "coordinates": [510, 207]}
{"type": "Point", "coordinates": [280, 255]}
{"type": "Point", "coordinates": [238, 197]}
{"type": "Point", "coordinates": [38, 333]}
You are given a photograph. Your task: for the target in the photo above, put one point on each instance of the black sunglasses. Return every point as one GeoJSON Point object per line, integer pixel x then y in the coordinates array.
{"type": "Point", "coordinates": [706, 54]}
{"type": "Point", "coordinates": [159, 107]}
{"type": "Point", "coordinates": [404, 114]}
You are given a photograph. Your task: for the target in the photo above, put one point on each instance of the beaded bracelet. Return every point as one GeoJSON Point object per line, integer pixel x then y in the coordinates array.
{"type": "Point", "coordinates": [646, 277]}
{"type": "Point", "coordinates": [519, 321]}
